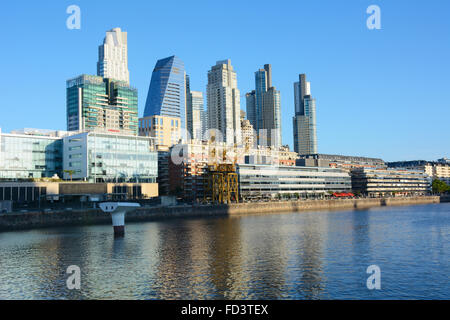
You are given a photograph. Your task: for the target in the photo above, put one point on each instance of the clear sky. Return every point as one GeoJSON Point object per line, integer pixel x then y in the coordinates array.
{"type": "Point", "coordinates": [380, 93]}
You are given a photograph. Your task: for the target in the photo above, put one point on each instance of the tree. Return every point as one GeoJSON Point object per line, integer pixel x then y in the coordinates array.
{"type": "Point", "coordinates": [440, 186]}
{"type": "Point", "coordinates": [70, 173]}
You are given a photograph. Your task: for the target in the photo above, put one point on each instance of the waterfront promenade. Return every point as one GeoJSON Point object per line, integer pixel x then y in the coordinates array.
{"type": "Point", "coordinates": [32, 220]}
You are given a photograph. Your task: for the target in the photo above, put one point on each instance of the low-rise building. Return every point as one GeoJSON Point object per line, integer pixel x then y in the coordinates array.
{"type": "Point", "coordinates": [165, 130]}
{"type": "Point", "coordinates": [439, 169]}
{"type": "Point", "coordinates": [263, 181]}
{"type": "Point", "coordinates": [35, 192]}
{"type": "Point", "coordinates": [31, 154]}
{"type": "Point", "coordinates": [381, 182]}
{"type": "Point", "coordinates": [339, 161]}
{"type": "Point", "coordinates": [100, 157]}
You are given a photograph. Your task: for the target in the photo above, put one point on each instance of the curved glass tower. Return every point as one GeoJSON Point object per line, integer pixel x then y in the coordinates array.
{"type": "Point", "coordinates": [167, 91]}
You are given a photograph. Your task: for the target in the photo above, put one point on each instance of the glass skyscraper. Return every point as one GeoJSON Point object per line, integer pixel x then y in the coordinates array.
{"type": "Point", "coordinates": [101, 104]}
{"type": "Point", "coordinates": [305, 138]}
{"type": "Point", "coordinates": [167, 91]}
{"type": "Point", "coordinates": [264, 108]}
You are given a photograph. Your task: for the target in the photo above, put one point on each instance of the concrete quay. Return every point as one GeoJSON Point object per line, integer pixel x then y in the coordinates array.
{"type": "Point", "coordinates": [33, 220]}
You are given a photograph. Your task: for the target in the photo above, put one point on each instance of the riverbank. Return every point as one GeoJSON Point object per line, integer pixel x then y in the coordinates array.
{"type": "Point", "coordinates": [33, 220]}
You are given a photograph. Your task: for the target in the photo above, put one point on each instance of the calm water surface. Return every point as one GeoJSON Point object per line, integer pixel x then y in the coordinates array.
{"type": "Point", "coordinates": [318, 255]}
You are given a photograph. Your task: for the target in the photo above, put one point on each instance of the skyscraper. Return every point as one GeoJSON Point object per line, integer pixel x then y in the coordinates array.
{"type": "Point", "coordinates": [113, 56]}
{"type": "Point", "coordinates": [167, 91]}
{"type": "Point", "coordinates": [195, 115]}
{"type": "Point", "coordinates": [264, 108]}
{"type": "Point", "coordinates": [224, 102]}
{"type": "Point", "coordinates": [195, 112]}
{"type": "Point", "coordinates": [100, 104]}
{"type": "Point", "coordinates": [305, 138]}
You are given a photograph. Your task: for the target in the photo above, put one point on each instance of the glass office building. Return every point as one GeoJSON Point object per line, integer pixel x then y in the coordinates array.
{"type": "Point", "coordinates": [167, 92]}
{"type": "Point", "coordinates": [101, 157]}
{"type": "Point", "coordinates": [101, 104]}
{"type": "Point", "coordinates": [25, 156]}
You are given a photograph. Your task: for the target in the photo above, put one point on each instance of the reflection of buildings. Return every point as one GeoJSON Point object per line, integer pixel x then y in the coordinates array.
{"type": "Point", "coordinates": [309, 284]}
{"type": "Point", "coordinates": [184, 259]}
{"type": "Point", "coordinates": [226, 263]}
{"type": "Point", "coordinates": [266, 256]}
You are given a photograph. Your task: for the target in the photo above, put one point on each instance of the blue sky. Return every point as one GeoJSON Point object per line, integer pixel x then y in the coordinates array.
{"type": "Point", "coordinates": [380, 93]}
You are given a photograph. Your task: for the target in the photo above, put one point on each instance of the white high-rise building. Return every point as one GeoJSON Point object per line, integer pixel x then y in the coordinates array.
{"type": "Point", "coordinates": [223, 100]}
{"type": "Point", "coordinates": [113, 56]}
{"type": "Point", "coordinates": [195, 115]}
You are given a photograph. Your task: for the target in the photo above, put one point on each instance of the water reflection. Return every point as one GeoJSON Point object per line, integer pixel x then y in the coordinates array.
{"type": "Point", "coordinates": [294, 256]}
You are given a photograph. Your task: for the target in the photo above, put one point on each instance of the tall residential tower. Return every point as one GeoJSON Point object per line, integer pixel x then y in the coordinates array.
{"type": "Point", "coordinates": [195, 112]}
{"type": "Point", "coordinates": [264, 108]}
{"type": "Point", "coordinates": [224, 102]}
{"type": "Point", "coordinates": [113, 56]}
{"type": "Point", "coordinates": [305, 138]}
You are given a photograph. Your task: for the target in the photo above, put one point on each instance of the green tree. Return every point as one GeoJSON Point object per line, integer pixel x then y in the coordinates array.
{"type": "Point", "coordinates": [70, 173]}
{"type": "Point", "coordinates": [440, 186]}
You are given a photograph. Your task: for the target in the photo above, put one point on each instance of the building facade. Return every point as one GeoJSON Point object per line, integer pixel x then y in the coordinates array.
{"type": "Point", "coordinates": [381, 182]}
{"type": "Point", "coordinates": [101, 104]}
{"type": "Point", "coordinates": [70, 192]}
{"type": "Point", "coordinates": [189, 163]}
{"type": "Point", "coordinates": [167, 92]}
{"type": "Point", "coordinates": [31, 154]}
{"type": "Point", "coordinates": [100, 157]}
{"type": "Point", "coordinates": [113, 56]}
{"type": "Point", "coordinates": [439, 169]}
{"type": "Point", "coordinates": [304, 121]}
{"type": "Point", "coordinates": [263, 181]}
{"type": "Point", "coordinates": [165, 130]}
{"type": "Point", "coordinates": [196, 115]}
{"type": "Point", "coordinates": [249, 137]}
{"type": "Point", "coordinates": [338, 161]}
{"type": "Point", "coordinates": [223, 99]}
{"type": "Point", "coordinates": [264, 108]}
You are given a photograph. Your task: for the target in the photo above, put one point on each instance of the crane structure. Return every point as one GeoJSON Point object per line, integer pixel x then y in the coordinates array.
{"type": "Point", "coordinates": [221, 183]}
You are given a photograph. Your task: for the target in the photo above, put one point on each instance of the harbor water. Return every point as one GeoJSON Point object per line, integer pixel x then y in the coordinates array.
{"type": "Point", "coordinates": [305, 255]}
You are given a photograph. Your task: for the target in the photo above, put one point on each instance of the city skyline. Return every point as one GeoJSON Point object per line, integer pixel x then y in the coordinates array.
{"type": "Point", "coordinates": [396, 131]}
